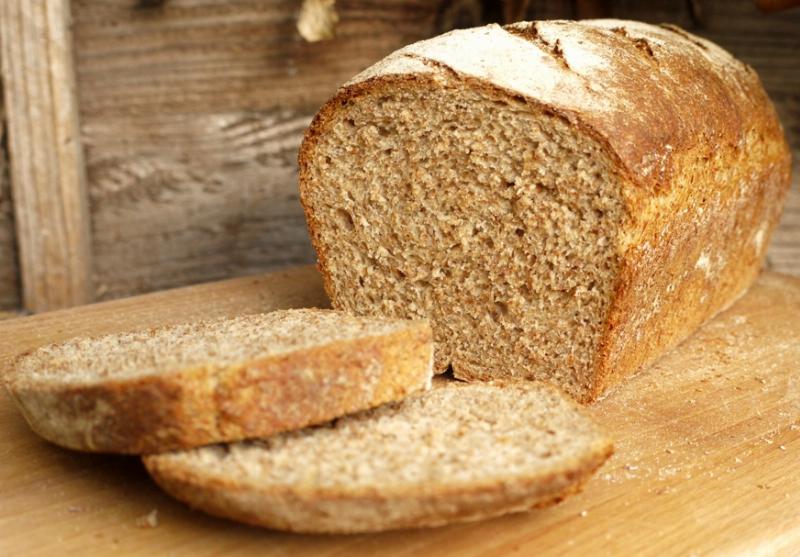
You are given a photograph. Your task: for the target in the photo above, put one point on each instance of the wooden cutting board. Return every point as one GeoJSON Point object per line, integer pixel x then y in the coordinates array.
{"type": "Point", "coordinates": [707, 452]}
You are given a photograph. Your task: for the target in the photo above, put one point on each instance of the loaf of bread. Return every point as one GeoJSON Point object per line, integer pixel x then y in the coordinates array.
{"type": "Point", "coordinates": [206, 382]}
{"type": "Point", "coordinates": [565, 200]}
{"type": "Point", "coordinates": [453, 454]}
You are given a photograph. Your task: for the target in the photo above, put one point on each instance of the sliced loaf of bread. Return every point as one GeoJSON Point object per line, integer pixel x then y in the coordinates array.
{"type": "Point", "coordinates": [566, 201]}
{"type": "Point", "coordinates": [456, 453]}
{"type": "Point", "coordinates": [207, 382]}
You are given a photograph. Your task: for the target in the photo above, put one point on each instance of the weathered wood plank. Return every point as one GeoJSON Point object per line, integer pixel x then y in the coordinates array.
{"type": "Point", "coordinates": [178, 201]}
{"type": "Point", "coordinates": [195, 56]}
{"type": "Point", "coordinates": [547, 9]}
{"type": "Point", "coordinates": [784, 253]}
{"type": "Point", "coordinates": [47, 167]}
{"type": "Point", "coordinates": [9, 272]}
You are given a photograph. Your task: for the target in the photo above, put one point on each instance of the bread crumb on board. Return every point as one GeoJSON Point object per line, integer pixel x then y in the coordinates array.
{"type": "Point", "coordinates": [149, 520]}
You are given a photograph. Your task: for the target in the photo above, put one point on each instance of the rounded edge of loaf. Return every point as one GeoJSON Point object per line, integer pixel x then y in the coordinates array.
{"type": "Point", "coordinates": [343, 510]}
{"type": "Point", "coordinates": [210, 404]}
{"type": "Point", "coordinates": [340, 513]}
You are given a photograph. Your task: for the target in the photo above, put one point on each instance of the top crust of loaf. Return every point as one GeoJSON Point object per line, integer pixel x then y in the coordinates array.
{"type": "Point", "coordinates": [188, 385]}
{"type": "Point", "coordinates": [594, 73]}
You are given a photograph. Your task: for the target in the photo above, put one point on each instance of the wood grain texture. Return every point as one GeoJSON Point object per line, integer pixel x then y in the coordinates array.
{"type": "Point", "coordinates": [47, 167]}
{"type": "Point", "coordinates": [201, 57]}
{"type": "Point", "coordinates": [707, 445]}
{"type": "Point", "coordinates": [9, 272]}
{"type": "Point", "coordinates": [192, 113]}
{"type": "Point", "coordinates": [179, 200]}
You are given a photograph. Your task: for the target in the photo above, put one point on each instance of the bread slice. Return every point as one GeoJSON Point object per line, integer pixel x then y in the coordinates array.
{"type": "Point", "coordinates": [457, 453]}
{"type": "Point", "coordinates": [566, 200]}
{"type": "Point", "coordinates": [188, 385]}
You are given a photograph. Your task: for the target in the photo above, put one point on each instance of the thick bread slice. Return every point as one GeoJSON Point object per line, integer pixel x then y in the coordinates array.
{"type": "Point", "coordinates": [453, 454]}
{"type": "Point", "coordinates": [207, 382]}
{"type": "Point", "coordinates": [566, 200]}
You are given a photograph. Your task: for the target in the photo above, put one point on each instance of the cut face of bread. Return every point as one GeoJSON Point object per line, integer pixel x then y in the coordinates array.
{"type": "Point", "coordinates": [494, 219]}
{"type": "Point", "coordinates": [453, 454]}
{"type": "Point", "coordinates": [213, 381]}
{"type": "Point", "coordinates": [564, 200]}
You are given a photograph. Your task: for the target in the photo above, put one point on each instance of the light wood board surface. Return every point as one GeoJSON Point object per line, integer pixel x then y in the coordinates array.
{"type": "Point", "coordinates": [706, 463]}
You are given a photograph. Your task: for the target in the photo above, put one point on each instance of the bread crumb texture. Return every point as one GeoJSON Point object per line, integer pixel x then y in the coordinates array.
{"type": "Point", "coordinates": [149, 520]}
{"type": "Point", "coordinates": [496, 222]}
{"type": "Point", "coordinates": [219, 342]}
{"type": "Point", "coordinates": [455, 453]}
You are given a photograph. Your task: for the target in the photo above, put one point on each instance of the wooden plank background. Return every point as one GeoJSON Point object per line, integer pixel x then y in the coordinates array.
{"type": "Point", "coordinates": [192, 114]}
{"type": "Point", "coordinates": [48, 174]}
{"type": "Point", "coordinates": [192, 111]}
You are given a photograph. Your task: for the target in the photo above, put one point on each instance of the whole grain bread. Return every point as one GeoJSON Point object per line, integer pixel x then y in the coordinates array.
{"type": "Point", "coordinates": [565, 200]}
{"type": "Point", "coordinates": [223, 380]}
{"type": "Point", "coordinates": [452, 454]}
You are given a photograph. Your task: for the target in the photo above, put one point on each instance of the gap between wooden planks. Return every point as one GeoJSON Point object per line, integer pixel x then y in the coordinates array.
{"type": "Point", "coordinates": [707, 448]}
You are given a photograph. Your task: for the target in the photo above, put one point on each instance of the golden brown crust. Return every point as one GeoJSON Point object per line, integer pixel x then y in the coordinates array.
{"type": "Point", "coordinates": [704, 175]}
{"type": "Point", "coordinates": [206, 405]}
{"type": "Point", "coordinates": [341, 511]}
